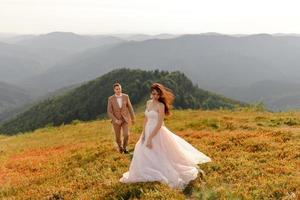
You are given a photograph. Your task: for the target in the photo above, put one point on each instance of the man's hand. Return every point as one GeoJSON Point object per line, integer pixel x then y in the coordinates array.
{"type": "Point", "coordinates": [119, 122]}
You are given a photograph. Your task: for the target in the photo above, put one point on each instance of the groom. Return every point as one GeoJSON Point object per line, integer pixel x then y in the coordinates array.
{"type": "Point", "coordinates": [120, 111]}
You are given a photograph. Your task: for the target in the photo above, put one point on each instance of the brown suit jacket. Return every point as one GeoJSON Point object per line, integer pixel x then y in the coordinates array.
{"type": "Point", "coordinates": [114, 112]}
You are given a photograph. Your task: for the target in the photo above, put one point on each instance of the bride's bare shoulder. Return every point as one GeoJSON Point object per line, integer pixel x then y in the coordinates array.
{"type": "Point", "coordinates": [161, 105]}
{"type": "Point", "coordinates": [147, 103]}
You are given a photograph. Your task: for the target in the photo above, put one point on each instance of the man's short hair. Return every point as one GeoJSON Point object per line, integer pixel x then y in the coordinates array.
{"type": "Point", "coordinates": [116, 84]}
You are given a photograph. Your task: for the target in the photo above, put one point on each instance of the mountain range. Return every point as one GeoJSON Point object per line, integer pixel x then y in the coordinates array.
{"type": "Point", "coordinates": [243, 67]}
{"type": "Point", "coordinates": [213, 61]}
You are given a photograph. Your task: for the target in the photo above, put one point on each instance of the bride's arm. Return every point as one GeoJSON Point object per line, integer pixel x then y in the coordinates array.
{"type": "Point", "coordinates": [143, 133]}
{"type": "Point", "coordinates": [161, 115]}
{"type": "Point", "coordinates": [145, 121]}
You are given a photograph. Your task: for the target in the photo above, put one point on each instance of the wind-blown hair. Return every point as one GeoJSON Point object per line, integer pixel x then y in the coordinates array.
{"type": "Point", "coordinates": [165, 96]}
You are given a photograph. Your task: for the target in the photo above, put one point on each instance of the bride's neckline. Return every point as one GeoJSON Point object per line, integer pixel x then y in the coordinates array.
{"type": "Point", "coordinates": [151, 110]}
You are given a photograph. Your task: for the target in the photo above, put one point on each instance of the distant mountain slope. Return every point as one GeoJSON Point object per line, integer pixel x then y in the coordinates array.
{"type": "Point", "coordinates": [89, 101]}
{"type": "Point", "coordinates": [17, 63]}
{"type": "Point", "coordinates": [277, 95]}
{"type": "Point", "coordinates": [54, 46]}
{"type": "Point", "coordinates": [210, 60]}
{"type": "Point", "coordinates": [25, 56]}
{"type": "Point", "coordinates": [12, 96]}
{"type": "Point", "coordinates": [142, 37]}
{"type": "Point", "coordinates": [15, 109]}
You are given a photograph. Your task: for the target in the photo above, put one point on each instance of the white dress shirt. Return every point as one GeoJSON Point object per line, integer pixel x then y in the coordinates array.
{"type": "Point", "coordinates": [119, 99]}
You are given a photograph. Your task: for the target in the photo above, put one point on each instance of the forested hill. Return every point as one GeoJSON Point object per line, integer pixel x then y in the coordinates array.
{"type": "Point", "coordinates": [89, 101]}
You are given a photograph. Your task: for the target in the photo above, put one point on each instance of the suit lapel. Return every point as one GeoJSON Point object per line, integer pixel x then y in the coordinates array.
{"type": "Point", "coordinates": [115, 102]}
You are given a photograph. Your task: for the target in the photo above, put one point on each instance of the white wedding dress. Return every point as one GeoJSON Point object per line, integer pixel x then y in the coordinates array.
{"type": "Point", "coordinates": [171, 160]}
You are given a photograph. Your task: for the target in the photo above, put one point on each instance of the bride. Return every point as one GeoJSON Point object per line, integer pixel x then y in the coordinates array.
{"type": "Point", "coordinates": [159, 154]}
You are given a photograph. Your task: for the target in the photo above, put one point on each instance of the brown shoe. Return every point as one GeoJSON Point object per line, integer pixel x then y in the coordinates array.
{"type": "Point", "coordinates": [125, 150]}
{"type": "Point", "coordinates": [121, 150]}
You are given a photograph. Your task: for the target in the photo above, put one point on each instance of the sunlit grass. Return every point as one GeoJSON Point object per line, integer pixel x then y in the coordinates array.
{"type": "Point", "coordinates": [256, 155]}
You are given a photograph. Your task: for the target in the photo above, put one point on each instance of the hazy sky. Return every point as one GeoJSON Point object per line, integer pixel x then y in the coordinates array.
{"type": "Point", "coordinates": [151, 16]}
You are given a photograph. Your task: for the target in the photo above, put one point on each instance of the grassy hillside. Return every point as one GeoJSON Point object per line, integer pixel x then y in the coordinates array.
{"type": "Point", "coordinates": [256, 155]}
{"type": "Point", "coordinates": [89, 101]}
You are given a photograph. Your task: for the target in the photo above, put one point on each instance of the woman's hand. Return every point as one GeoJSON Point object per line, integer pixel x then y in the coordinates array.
{"type": "Point", "coordinates": [143, 136]}
{"type": "Point", "coordinates": [149, 143]}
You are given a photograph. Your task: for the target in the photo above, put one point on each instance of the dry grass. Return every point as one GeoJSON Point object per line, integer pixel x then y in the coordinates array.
{"type": "Point", "coordinates": [256, 155]}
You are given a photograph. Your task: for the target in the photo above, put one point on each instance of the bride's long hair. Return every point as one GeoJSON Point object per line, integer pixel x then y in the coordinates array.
{"type": "Point", "coordinates": [165, 96]}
